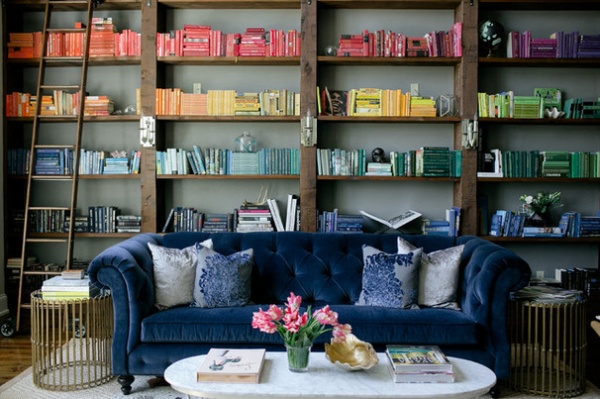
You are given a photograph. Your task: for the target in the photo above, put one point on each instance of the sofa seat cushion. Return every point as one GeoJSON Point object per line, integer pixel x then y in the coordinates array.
{"type": "Point", "coordinates": [206, 325]}
{"type": "Point", "coordinates": [382, 325]}
{"type": "Point", "coordinates": [377, 325]}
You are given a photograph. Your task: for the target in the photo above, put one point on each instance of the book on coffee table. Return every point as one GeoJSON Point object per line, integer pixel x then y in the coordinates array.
{"type": "Point", "coordinates": [419, 363]}
{"type": "Point", "coordinates": [232, 365]}
{"type": "Point", "coordinates": [418, 358]}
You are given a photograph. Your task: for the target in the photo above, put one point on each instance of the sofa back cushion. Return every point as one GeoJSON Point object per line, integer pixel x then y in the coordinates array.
{"type": "Point", "coordinates": [322, 268]}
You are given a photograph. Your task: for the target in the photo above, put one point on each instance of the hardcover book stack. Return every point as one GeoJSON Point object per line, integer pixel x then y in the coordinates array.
{"type": "Point", "coordinates": [24, 44]}
{"type": "Point", "coordinates": [555, 163]}
{"type": "Point", "coordinates": [243, 163]}
{"type": "Point", "coordinates": [63, 288]}
{"type": "Point", "coordinates": [129, 224]}
{"type": "Point", "coordinates": [589, 46]}
{"type": "Point", "coordinates": [102, 38]}
{"type": "Point", "coordinates": [253, 218]}
{"type": "Point", "coordinates": [419, 364]}
{"type": "Point", "coordinates": [247, 104]}
{"type": "Point", "coordinates": [53, 161]}
{"type": "Point", "coordinates": [218, 223]}
{"type": "Point", "coordinates": [196, 41]}
{"type": "Point", "coordinates": [379, 169]}
{"type": "Point", "coordinates": [253, 43]}
{"type": "Point", "coordinates": [527, 107]}
{"type": "Point", "coordinates": [422, 106]}
{"type": "Point", "coordinates": [98, 105]}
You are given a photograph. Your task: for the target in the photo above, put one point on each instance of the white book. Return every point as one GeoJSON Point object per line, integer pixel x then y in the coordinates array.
{"type": "Point", "coordinates": [396, 221]}
{"type": "Point", "coordinates": [275, 213]}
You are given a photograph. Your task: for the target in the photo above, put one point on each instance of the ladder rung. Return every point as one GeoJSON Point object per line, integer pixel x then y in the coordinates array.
{"type": "Point", "coordinates": [54, 146]}
{"type": "Point", "coordinates": [67, 2]}
{"type": "Point", "coordinates": [62, 59]}
{"type": "Point", "coordinates": [60, 87]}
{"type": "Point", "coordinates": [48, 240]}
{"type": "Point", "coordinates": [64, 30]}
{"type": "Point", "coordinates": [53, 177]}
{"type": "Point", "coordinates": [26, 305]}
{"type": "Point", "coordinates": [49, 208]}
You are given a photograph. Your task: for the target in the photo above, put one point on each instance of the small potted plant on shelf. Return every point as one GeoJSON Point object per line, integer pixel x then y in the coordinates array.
{"type": "Point", "coordinates": [537, 207]}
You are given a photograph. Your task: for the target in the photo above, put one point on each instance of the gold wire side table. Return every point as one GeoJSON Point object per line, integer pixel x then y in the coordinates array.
{"type": "Point", "coordinates": [548, 347]}
{"type": "Point", "coordinates": [71, 341]}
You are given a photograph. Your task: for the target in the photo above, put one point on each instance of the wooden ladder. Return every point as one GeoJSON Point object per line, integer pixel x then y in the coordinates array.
{"type": "Point", "coordinates": [68, 153]}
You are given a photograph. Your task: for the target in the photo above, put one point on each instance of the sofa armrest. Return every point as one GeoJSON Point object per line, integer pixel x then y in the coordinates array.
{"type": "Point", "coordinates": [491, 273]}
{"type": "Point", "coordinates": [126, 269]}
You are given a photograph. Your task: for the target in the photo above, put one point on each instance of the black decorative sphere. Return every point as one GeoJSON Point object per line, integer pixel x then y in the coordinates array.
{"type": "Point", "coordinates": [491, 36]}
{"type": "Point", "coordinates": [378, 155]}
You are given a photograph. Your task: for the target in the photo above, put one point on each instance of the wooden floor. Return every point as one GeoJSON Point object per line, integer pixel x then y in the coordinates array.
{"type": "Point", "coordinates": [15, 355]}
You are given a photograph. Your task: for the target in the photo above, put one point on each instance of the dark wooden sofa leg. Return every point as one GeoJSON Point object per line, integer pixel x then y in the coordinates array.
{"type": "Point", "coordinates": [126, 381]}
{"type": "Point", "coordinates": [496, 391]}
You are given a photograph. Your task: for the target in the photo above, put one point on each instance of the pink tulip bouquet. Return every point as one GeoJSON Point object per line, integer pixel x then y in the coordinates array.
{"type": "Point", "coordinates": [298, 329]}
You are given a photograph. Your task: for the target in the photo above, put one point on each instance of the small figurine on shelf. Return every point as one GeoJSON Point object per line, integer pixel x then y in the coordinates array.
{"type": "Point", "coordinates": [378, 155]}
{"type": "Point", "coordinates": [245, 143]}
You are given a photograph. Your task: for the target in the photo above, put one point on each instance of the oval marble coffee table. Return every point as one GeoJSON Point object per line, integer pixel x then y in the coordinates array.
{"type": "Point", "coordinates": [326, 380]}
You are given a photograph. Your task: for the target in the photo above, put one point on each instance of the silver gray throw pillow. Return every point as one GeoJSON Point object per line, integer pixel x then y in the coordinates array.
{"type": "Point", "coordinates": [438, 276]}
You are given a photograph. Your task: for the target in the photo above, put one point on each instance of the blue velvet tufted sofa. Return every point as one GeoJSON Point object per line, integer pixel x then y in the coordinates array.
{"type": "Point", "coordinates": [323, 269]}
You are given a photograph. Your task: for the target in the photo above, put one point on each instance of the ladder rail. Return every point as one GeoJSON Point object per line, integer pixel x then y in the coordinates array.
{"type": "Point", "coordinates": [78, 135]}
{"type": "Point", "coordinates": [74, 178]}
{"type": "Point", "coordinates": [35, 128]}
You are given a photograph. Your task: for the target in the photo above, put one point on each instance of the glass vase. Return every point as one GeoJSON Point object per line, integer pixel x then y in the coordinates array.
{"type": "Point", "coordinates": [298, 357]}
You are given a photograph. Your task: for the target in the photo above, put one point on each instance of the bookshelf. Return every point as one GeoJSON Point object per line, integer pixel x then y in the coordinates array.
{"type": "Point", "coordinates": [321, 24]}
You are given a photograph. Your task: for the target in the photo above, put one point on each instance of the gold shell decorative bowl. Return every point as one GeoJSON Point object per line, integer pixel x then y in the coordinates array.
{"type": "Point", "coordinates": [352, 354]}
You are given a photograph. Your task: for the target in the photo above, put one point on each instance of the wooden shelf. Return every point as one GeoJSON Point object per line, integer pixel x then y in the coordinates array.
{"type": "Point", "coordinates": [538, 180]}
{"type": "Point", "coordinates": [539, 5]}
{"type": "Point", "coordinates": [540, 62]}
{"type": "Point", "coordinates": [177, 60]}
{"type": "Point", "coordinates": [62, 119]}
{"type": "Point", "coordinates": [231, 4]}
{"type": "Point", "coordinates": [38, 5]}
{"type": "Point", "coordinates": [226, 118]}
{"type": "Point", "coordinates": [388, 119]}
{"type": "Point", "coordinates": [227, 177]}
{"type": "Point", "coordinates": [391, 4]}
{"type": "Point", "coordinates": [75, 61]}
{"type": "Point", "coordinates": [384, 61]}
{"type": "Point", "coordinates": [388, 178]}
{"type": "Point", "coordinates": [540, 121]}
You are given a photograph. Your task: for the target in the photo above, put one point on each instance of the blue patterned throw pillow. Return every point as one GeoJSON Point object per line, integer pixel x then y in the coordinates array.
{"type": "Point", "coordinates": [390, 280]}
{"type": "Point", "coordinates": [222, 281]}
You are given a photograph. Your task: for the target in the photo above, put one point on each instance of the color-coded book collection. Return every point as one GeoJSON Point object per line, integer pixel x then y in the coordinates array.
{"type": "Point", "coordinates": [560, 44]}
{"type": "Point", "coordinates": [385, 43]}
{"type": "Point", "coordinates": [203, 41]}
{"type": "Point", "coordinates": [105, 41]}
{"type": "Point", "coordinates": [536, 163]}
{"type": "Point", "coordinates": [216, 161]}
{"type": "Point", "coordinates": [426, 161]}
{"type": "Point", "coordinates": [269, 102]}
{"type": "Point", "coordinates": [98, 163]}
{"type": "Point", "coordinates": [374, 102]}
{"type": "Point", "coordinates": [59, 103]}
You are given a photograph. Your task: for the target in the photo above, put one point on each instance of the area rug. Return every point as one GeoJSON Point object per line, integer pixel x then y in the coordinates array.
{"type": "Point", "coordinates": [147, 387]}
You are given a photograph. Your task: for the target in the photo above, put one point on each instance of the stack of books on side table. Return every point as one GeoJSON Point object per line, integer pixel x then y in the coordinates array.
{"type": "Point", "coordinates": [410, 363]}
{"type": "Point", "coordinates": [62, 288]}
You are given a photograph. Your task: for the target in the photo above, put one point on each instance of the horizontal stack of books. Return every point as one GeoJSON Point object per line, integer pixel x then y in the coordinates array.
{"type": "Point", "coordinates": [253, 218]}
{"type": "Point", "coordinates": [69, 286]}
{"type": "Point", "coordinates": [410, 363]}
